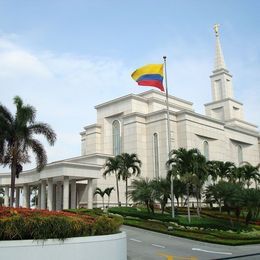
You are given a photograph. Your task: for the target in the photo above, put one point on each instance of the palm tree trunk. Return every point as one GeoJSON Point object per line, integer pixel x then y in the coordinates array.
{"type": "Point", "coordinates": [117, 191]}
{"type": "Point", "coordinates": [103, 202]}
{"type": "Point", "coordinates": [108, 201]}
{"type": "Point", "coordinates": [188, 201]}
{"type": "Point", "coordinates": [13, 172]}
{"type": "Point", "coordinates": [126, 191]}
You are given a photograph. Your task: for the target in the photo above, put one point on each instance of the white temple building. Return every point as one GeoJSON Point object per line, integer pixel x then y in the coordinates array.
{"type": "Point", "coordinates": [137, 123]}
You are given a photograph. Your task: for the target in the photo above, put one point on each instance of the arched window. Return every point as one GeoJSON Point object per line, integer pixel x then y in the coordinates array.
{"type": "Point", "coordinates": [239, 154]}
{"type": "Point", "coordinates": [156, 155]}
{"type": "Point", "coordinates": [116, 137]}
{"type": "Point", "coordinates": [206, 149]}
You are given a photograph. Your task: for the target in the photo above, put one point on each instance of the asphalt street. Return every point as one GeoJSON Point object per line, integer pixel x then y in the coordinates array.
{"type": "Point", "coordinates": [148, 245]}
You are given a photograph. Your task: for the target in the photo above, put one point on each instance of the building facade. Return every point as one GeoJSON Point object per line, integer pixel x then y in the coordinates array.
{"type": "Point", "coordinates": [137, 123]}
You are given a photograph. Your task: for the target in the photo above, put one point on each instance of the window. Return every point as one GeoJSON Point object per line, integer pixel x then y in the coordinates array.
{"type": "Point", "coordinates": [239, 154]}
{"type": "Point", "coordinates": [206, 149]}
{"type": "Point", "coordinates": [116, 137]}
{"type": "Point", "coordinates": [156, 155]}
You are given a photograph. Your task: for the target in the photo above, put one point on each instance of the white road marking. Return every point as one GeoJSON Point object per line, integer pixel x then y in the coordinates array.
{"type": "Point", "coordinates": [158, 245]}
{"type": "Point", "coordinates": [135, 240]}
{"type": "Point", "coordinates": [213, 252]}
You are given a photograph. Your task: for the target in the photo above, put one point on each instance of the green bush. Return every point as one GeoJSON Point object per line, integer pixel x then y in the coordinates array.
{"type": "Point", "coordinates": [105, 225]}
{"type": "Point", "coordinates": [17, 224]}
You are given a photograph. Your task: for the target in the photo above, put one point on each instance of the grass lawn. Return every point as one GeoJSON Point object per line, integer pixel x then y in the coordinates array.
{"type": "Point", "coordinates": [205, 228]}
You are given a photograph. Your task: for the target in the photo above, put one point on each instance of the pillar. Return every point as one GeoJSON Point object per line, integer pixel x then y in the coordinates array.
{"type": "Point", "coordinates": [66, 192]}
{"type": "Point", "coordinates": [50, 194]}
{"type": "Point", "coordinates": [6, 198]}
{"type": "Point", "coordinates": [58, 195]}
{"type": "Point", "coordinates": [43, 194]}
{"type": "Point", "coordinates": [26, 196]}
{"type": "Point", "coordinates": [17, 197]}
{"type": "Point", "coordinates": [39, 197]}
{"type": "Point", "coordinates": [90, 194]}
{"type": "Point", "coordinates": [73, 194]}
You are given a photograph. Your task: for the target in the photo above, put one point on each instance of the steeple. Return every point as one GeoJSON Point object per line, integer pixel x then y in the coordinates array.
{"type": "Point", "coordinates": [221, 80]}
{"type": "Point", "coordinates": [223, 107]}
{"type": "Point", "coordinates": [219, 58]}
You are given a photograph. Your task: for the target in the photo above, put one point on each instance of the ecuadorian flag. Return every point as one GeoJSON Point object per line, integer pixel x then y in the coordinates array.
{"type": "Point", "coordinates": [149, 75]}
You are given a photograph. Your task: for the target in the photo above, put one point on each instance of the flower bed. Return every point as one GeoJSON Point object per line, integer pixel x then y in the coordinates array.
{"type": "Point", "coordinates": [21, 223]}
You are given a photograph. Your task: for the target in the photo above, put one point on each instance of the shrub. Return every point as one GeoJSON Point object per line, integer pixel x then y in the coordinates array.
{"type": "Point", "coordinates": [16, 224]}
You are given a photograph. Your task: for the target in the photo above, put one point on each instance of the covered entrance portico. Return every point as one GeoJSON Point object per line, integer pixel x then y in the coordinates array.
{"type": "Point", "coordinates": [60, 185]}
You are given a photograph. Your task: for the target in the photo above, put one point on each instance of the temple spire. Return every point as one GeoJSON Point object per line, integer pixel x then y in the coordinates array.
{"type": "Point", "coordinates": [219, 58]}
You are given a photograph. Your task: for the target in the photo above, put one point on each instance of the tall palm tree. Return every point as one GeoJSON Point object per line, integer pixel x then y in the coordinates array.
{"type": "Point", "coordinates": [129, 166]}
{"type": "Point", "coordinates": [185, 162]}
{"type": "Point", "coordinates": [101, 193]}
{"type": "Point", "coordinates": [108, 192]}
{"type": "Point", "coordinates": [112, 166]}
{"type": "Point", "coordinates": [200, 172]}
{"type": "Point", "coordinates": [17, 138]}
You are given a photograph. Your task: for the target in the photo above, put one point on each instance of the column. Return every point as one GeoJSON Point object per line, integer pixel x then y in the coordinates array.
{"type": "Point", "coordinates": [43, 194]}
{"type": "Point", "coordinates": [66, 189]}
{"type": "Point", "coordinates": [50, 194]}
{"type": "Point", "coordinates": [90, 194]}
{"type": "Point", "coordinates": [17, 197]}
{"type": "Point", "coordinates": [58, 195]}
{"type": "Point", "coordinates": [6, 198]}
{"type": "Point", "coordinates": [73, 194]}
{"type": "Point", "coordinates": [39, 197]}
{"type": "Point", "coordinates": [26, 196]}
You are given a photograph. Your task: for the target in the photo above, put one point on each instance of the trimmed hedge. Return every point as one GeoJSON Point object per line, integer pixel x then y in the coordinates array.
{"type": "Point", "coordinates": [17, 224]}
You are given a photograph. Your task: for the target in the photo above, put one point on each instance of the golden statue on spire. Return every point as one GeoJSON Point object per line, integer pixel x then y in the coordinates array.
{"type": "Point", "coordinates": [216, 29]}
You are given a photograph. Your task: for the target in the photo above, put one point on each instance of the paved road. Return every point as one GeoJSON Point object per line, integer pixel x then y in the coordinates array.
{"type": "Point", "coordinates": [147, 245]}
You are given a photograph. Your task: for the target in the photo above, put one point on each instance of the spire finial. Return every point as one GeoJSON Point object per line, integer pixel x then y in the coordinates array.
{"type": "Point", "coordinates": [216, 29]}
{"type": "Point", "coordinates": [219, 58]}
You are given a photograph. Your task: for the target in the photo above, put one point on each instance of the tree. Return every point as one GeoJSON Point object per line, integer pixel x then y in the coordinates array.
{"type": "Point", "coordinates": [112, 166]}
{"type": "Point", "coordinates": [17, 138]}
{"type": "Point", "coordinates": [200, 172]}
{"type": "Point", "coordinates": [143, 192]}
{"type": "Point", "coordinates": [162, 191]}
{"type": "Point", "coordinates": [101, 193]}
{"type": "Point", "coordinates": [129, 166]}
{"type": "Point", "coordinates": [108, 192]}
{"type": "Point", "coordinates": [252, 203]}
{"type": "Point", "coordinates": [224, 169]}
{"type": "Point", "coordinates": [185, 164]}
{"type": "Point", "coordinates": [250, 172]}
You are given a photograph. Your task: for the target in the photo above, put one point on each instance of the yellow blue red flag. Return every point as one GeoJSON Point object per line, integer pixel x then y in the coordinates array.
{"type": "Point", "coordinates": [149, 75]}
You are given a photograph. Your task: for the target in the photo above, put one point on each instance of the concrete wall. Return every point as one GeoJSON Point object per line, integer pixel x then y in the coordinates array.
{"type": "Point", "coordinates": [110, 247]}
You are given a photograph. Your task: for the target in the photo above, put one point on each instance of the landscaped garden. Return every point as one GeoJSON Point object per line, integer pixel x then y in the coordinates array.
{"type": "Point", "coordinates": [21, 224]}
{"type": "Point", "coordinates": [207, 227]}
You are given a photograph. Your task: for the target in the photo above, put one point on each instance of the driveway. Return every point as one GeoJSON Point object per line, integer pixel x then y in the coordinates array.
{"type": "Point", "coordinates": [148, 245]}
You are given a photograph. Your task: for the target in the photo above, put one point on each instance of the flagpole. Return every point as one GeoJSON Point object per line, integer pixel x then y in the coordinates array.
{"type": "Point", "coordinates": [168, 132]}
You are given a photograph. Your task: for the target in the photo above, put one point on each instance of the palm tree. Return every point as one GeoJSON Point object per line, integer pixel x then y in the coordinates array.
{"type": "Point", "coordinates": [252, 203]}
{"type": "Point", "coordinates": [101, 193]}
{"type": "Point", "coordinates": [212, 167]}
{"type": "Point", "coordinates": [17, 138]}
{"type": "Point", "coordinates": [108, 192]}
{"type": "Point", "coordinates": [143, 192]}
{"type": "Point", "coordinates": [129, 166]}
{"type": "Point", "coordinates": [224, 169]}
{"type": "Point", "coordinates": [112, 167]}
{"type": "Point", "coordinates": [162, 188]}
{"type": "Point", "coordinates": [185, 162]}
{"type": "Point", "coordinates": [250, 172]}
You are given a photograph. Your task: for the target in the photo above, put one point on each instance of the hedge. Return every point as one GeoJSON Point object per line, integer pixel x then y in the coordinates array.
{"type": "Point", "coordinates": [20, 223]}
